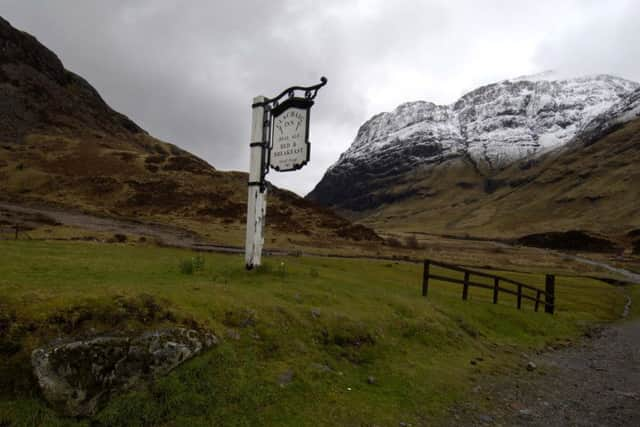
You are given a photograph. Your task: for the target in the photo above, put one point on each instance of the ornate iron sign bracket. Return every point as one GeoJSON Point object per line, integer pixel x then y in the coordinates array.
{"type": "Point", "coordinates": [310, 92]}
{"type": "Point", "coordinates": [273, 107]}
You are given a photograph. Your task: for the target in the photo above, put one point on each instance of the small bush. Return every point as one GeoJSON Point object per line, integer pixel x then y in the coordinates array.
{"type": "Point", "coordinates": [393, 242]}
{"type": "Point", "coordinates": [198, 263]}
{"type": "Point", "coordinates": [120, 238]}
{"type": "Point", "coordinates": [190, 266]}
{"type": "Point", "coordinates": [412, 242]}
{"type": "Point", "coordinates": [186, 266]}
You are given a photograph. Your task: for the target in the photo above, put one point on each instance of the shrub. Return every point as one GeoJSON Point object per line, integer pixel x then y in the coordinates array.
{"type": "Point", "coordinates": [198, 263]}
{"type": "Point", "coordinates": [412, 242]}
{"type": "Point", "coordinates": [190, 266]}
{"type": "Point", "coordinates": [393, 242]}
{"type": "Point", "coordinates": [186, 266]}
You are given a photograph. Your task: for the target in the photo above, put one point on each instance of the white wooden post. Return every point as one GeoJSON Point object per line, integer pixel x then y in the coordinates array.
{"type": "Point", "coordinates": [257, 200]}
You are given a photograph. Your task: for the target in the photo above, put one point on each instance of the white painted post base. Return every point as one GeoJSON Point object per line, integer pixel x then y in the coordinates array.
{"type": "Point", "coordinates": [255, 227]}
{"type": "Point", "coordinates": [257, 199]}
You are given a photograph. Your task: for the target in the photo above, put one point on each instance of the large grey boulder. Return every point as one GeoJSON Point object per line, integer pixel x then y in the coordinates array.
{"type": "Point", "coordinates": [77, 377]}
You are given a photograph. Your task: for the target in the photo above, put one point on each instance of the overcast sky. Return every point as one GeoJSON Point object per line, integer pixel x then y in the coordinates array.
{"type": "Point", "coordinates": [187, 71]}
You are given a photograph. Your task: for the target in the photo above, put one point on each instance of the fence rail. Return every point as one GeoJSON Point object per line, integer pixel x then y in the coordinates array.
{"type": "Point", "coordinates": [15, 231]}
{"type": "Point", "coordinates": [518, 289]}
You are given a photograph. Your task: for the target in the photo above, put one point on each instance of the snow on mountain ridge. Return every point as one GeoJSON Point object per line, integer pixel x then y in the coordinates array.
{"type": "Point", "coordinates": [497, 123]}
{"type": "Point", "coordinates": [621, 112]}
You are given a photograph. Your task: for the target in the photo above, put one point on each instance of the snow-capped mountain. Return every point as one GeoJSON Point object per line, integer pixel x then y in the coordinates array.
{"type": "Point", "coordinates": [493, 126]}
{"type": "Point", "coordinates": [625, 110]}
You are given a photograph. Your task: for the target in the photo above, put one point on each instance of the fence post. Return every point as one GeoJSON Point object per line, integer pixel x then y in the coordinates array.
{"type": "Point", "coordinates": [537, 300]}
{"type": "Point", "coordinates": [496, 288]}
{"type": "Point", "coordinates": [465, 288]}
{"type": "Point", "coordinates": [519, 297]}
{"type": "Point", "coordinates": [17, 231]}
{"type": "Point", "coordinates": [425, 278]}
{"type": "Point", "coordinates": [550, 297]}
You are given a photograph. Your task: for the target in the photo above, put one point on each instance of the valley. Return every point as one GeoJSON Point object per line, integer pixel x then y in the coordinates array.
{"type": "Point", "coordinates": [124, 299]}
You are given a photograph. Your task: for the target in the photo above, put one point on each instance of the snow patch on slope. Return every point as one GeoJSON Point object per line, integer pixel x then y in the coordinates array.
{"type": "Point", "coordinates": [496, 124]}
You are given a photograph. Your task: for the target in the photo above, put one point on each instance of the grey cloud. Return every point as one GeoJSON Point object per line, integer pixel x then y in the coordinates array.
{"type": "Point", "coordinates": [605, 40]}
{"type": "Point", "coordinates": [187, 71]}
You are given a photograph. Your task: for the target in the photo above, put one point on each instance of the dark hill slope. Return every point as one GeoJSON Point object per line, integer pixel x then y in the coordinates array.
{"type": "Point", "coordinates": [61, 144]}
{"type": "Point", "coordinates": [37, 92]}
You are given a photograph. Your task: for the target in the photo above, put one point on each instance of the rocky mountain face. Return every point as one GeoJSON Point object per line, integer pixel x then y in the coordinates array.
{"type": "Point", "coordinates": [489, 128]}
{"type": "Point", "coordinates": [623, 111]}
{"type": "Point", "coordinates": [36, 91]}
{"type": "Point", "coordinates": [61, 144]}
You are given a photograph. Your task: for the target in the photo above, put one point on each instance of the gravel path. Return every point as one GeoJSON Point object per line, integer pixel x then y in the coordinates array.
{"type": "Point", "coordinates": [629, 275]}
{"type": "Point", "coordinates": [593, 383]}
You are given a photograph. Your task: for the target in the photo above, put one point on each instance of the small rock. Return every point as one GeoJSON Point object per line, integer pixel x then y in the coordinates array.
{"type": "Point", "coordinates": [286, 377]}
{"type": "Point", "coordinates": [524, 412]}
{"type": "Point", "coordinates": [485, 419]}
{"type": "Point", "coordinates": [628, 394]}
{"type": "Point", "coordinates": [315, 313]}
{"type": "Point", "coordinates": [250, 319]}
{"type": "Point", "coordinates": [233, 334]}
{"type": "Point", "coordinates": [371, 380]}
{"type": "Point", "coordinates": [531, 366]}
{"type": "Point", "coordinates": [320, 367]}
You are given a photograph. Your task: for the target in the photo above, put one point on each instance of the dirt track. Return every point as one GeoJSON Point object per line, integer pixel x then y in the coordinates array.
{"type": "Point", "coordinates": [168, 235]}
{"type": "Point", "coordinates": [594, 383]}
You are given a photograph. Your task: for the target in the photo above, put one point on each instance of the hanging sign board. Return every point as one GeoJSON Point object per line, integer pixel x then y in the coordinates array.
{"type": "Point", "coordinates": [290, 147]}
{"type": "Point", "coordinates": [279, 140]}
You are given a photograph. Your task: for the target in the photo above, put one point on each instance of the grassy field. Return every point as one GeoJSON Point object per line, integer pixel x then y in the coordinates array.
{"type": "Point", "coordinates": [329, 324]}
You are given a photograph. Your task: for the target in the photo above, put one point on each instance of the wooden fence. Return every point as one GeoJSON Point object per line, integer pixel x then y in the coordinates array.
{"type": "Point", "coordinates": [520, 290]}
{"type": "Point", "coordinates": [14, 231]}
